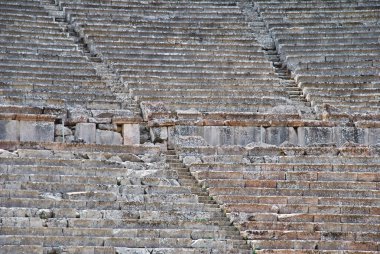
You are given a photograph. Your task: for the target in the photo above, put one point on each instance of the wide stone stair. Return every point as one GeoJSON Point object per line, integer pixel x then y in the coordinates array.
{"type": "Point", "coordinates": [295, 199]}
{"type": "Point", "coordinates": [181, 53]}
{"type": "Point", "coordinates": [59, 198]}
{"type": "Point", "coordinates": [331, 48]}
{"type": "Point", "coordinates": [42, 64]}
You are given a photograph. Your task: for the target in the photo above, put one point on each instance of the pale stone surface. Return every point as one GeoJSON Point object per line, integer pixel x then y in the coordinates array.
{"type": "Point", "coordinates": [131, 134]}
{"type": "Point", "coordinates": [108, 137]}
{"type": "Point", "coordinates": [372, 136]}
{"type": "Point", "coordinates": [159, 134]}
{"type": "Point", "coordinates": [86, 132]}
{"type": "Point", "coordinates": [9, 130]}
{"type": "Point", "coordinates": [61, 130]}
{"type": "Point", "coordinates": [36, 131]}
{"type": "Point", "coordinates": [276, 135]}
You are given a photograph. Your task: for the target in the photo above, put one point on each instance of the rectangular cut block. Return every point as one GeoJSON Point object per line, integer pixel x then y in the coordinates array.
{"type": "Point", "coordinates": [372, 136]}
{"type": "Point", "coordinates": [9, 130]}
{"type": "Point", "coordinates": [314, 135]}
{"type": "Point", "coordinates": [159, 134]}
{"type": "Point", "coordinates": [108, 138]}
{"type": "Point", "coordinates": [86, 132]}
{"type": "Point", "coordinates": [346, 134]}
{"type": "Point", "coordinates": [37, 131]}
{"type": "Point", "coordinates": [131, 134]}
{"type": "Point", "coordinates": [276, 135]}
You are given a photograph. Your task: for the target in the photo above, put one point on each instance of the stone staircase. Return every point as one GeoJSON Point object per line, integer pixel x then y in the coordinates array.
{"type": "Point", "coordinates": [105, 199]}
{"type": "Point", "coordinates": [189, 127]}
{"type": "Point", "coordinates": [331, 51]}
{"type": "Point", "coordinates": [293, 199]}
{"type": "Point", "coordinates": [181, 53]}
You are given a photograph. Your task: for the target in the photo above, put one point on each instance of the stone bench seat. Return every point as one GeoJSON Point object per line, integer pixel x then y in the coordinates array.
{"type": "Point", "coordinates": [47, 74]}
{"type": "Point", "coordinates": [26, 17]}
{"type": "Point", "coordinates": [287, 166]}
{"type": "Point", "coordinates": [34, 31]}
{"type": "Point", "coordinates": [320, 245]}
{"type": "Point", "coordinates": [31, 56]}
{"type": "Point", "coordinates": [189, 93]}
{"type": "Point", "coordinates": [12, 10]}
{"type": "Point", "coordinates": [97, 232]}
{"type": "Point", "coordinates": [150, 39]}
{"type": "Point", "coordinates": [354, 70]}
{"type": "Point", "coordinates": [184, 45]}
{"type": "Point", "coordinates": [191, 73]}
{"type": "Point", "coordinates": [251, 191]}
{"type": "Point", "coordinates": [203, 56]}
{"type": "Point", "coordinates": [205, 100]}
{"type": "Point", "coordinates": [56, 64]}
{"type": "Point", "coordinates": [336, 64]}
{"type": "Point", "coordinates": [89, 19]}
{"type": "Point", "coordinates": [216, 64]}
{"type": "Point", "coordinates": [211, 28]}
{"type": "Point", "coordinates": [347, 204]}
{"type": "Point", "coordinates": [164, 5]}
{"type": "Point", "coordinates": [45, 67]}
{"type": "Point", "coordinates": [14, 23]}
{"type": "Point", "coordinates": [206, 14]}
{"type": "Point", "coordinates": [328, 41]}
{"type": "Point", "coordinates": [37, 39]}
{"type": "Point", "coordinates": [326, 30]}
{"type": "Point", "coordinates": [131, 242]}
{"type": "Point", "coordinates": [332, 79]}
{"type": "Point", "coordinates": [221, 86]}
{"type": "Point", "coordinates": [194, 50]}
{"type": "Point", "coordinates": [37, 46]}
{"type": "Point", "coordinates": [159, 33]}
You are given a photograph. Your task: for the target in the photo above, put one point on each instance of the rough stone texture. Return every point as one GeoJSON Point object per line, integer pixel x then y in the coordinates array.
{"type": "Point", "coordinates": [159, 134]}
{"type": "Point", "coordinates": [131, 134]}
{"type": "Point", "coordinates": [36, 131]}
{"type": "Point", "coordinates": [9, 130]}
{"type": "Point", "coordinates": [108, 138]}
{"type": "Point", "coordinates": [86, 132]}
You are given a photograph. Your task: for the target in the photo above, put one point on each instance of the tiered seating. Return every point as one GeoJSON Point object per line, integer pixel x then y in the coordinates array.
{"type": "Point", "coordinates": [331, 47]}
{"type": "Point", "coordinates": [295, 200]}
{"type": "Point", "coordinates": [103, 199]}
{"type": "Point", "coordinates": [188, 54]}
{"type": "Point", "coordinates": [41, 64]}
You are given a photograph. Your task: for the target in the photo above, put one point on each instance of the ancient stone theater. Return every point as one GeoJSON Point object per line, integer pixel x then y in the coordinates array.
{"type": "Point", "coordinates": [190, 126]}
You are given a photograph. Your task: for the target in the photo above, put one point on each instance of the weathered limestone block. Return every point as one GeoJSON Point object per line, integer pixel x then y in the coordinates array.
{"type": "Point", "coordinates": [348, 134]}
{"type": "Point", "coordinates": [148, 108]}
{"type": "Point", "coordinates": [276, 135]}
{"type": "Point", "coordinates": [107, 126]}
{"type": "Point", "coordinates": [86, 132]}
{"type": "Point", "coordinates": [159, 134]}
{"type": "Point", "coordinates": [108, 138]}
{"type": "Point", "coordinates": [131, 134]}
{"type": "Point", "coordinates": [61, 130]}
{"type": "Point", "coordinates": [372, 136]}
{"type": "Point", "coordinates": [36, 131]}
{"type": "Point", "coordinates": [9, 130]}
{"type": "Point", "coordinates": [315, 135]}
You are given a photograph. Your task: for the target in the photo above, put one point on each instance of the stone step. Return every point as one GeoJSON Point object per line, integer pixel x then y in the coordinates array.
{"type": "Point", "coordinates": [294, 200]}
{"type": "Point", "coordinates": [295, 192]}
{"type": "Point", "coordinates": [299, 235]}
{"type": "Point", "coordinates": [320, 245]}
{"type": "Point", "coordinates": [17, 248]}
{"type": "Point", "coordinates": [134, 242]}
{"type": "Point", "coordinates": [99, 232]}
{"type": "Point", "coordinates": [310, 226]}
{"type": "Point", "coordinates": [300, 183]}
{"type": "Point", "coordinates": [189, 93]}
